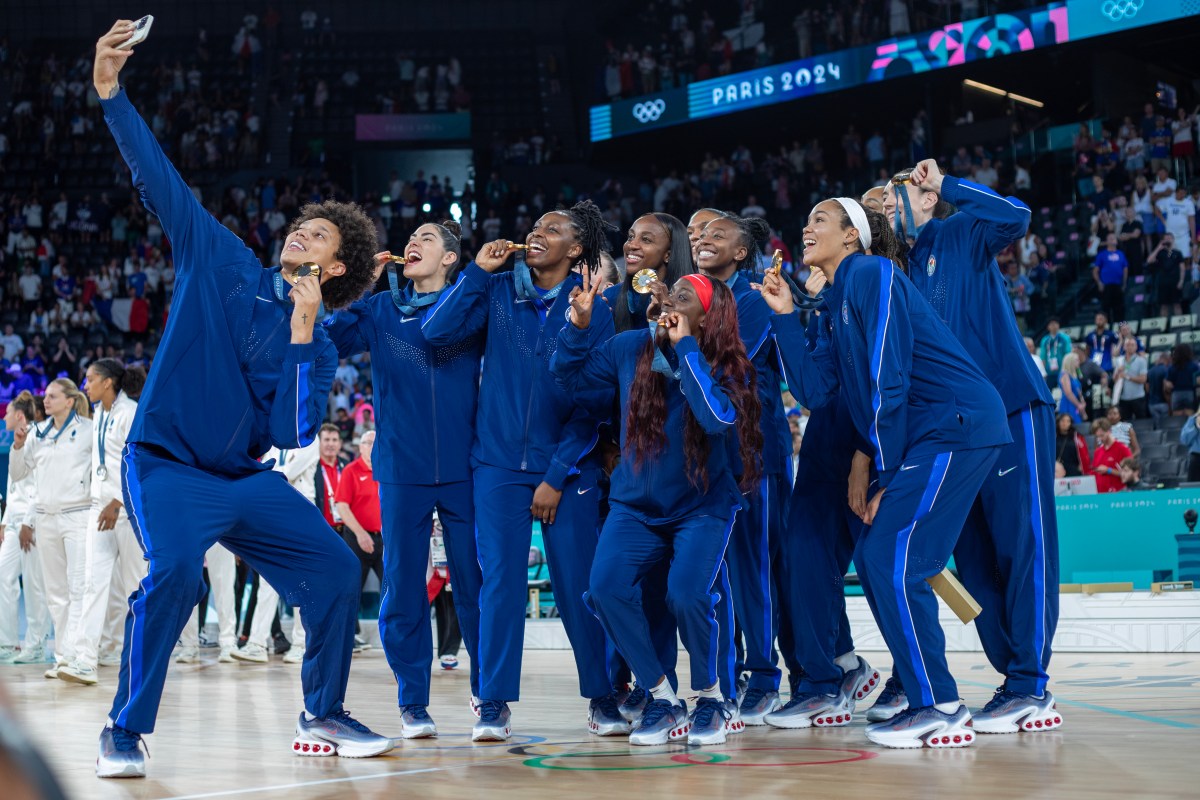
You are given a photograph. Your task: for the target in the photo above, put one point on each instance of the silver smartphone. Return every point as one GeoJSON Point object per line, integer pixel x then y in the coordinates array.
{"type": "Point", "coordinates": [141, 30]}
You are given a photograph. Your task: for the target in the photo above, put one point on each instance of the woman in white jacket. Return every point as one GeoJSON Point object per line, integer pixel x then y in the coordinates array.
{"type": "Point", "coordinates": [113, 559]}
{"type": "Point", "coordinates": [20, 562]}
{"type": "Point", "coordinates": [59, 455]}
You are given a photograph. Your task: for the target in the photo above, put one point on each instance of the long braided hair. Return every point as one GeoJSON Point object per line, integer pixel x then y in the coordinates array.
{"type": "Point", "coordinates": [591, 231]}
{"type": "Point", "coordinates": [721, 344]}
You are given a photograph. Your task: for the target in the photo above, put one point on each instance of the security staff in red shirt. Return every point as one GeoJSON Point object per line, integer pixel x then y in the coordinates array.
{"type": "Point", "coordinates": [357, 503]}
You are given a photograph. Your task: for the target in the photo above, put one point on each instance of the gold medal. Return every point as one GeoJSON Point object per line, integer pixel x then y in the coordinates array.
{"type": "Point", "coordinates": [642, 279]}
{"type": "Point", "coordinates": [776, 262]}
{"type": "Point", "coordinates": [306, 269]}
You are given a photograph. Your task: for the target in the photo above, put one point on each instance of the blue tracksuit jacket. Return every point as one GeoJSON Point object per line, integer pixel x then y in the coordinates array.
{"type": "Point", "coordinates": [953, 264]}
{"type": "Point", "coordinates": [910, 387]}
{"type": "Point", "coordinates": [539, 428]}
{"type": "Point", "coordinates": [830, 440]}
{"type": "Point", "coordinates": [659, 490]}
{"type": "Point", "coordinates": [228, 324]}
{"type": "Point", "coordinates": [428, 393]}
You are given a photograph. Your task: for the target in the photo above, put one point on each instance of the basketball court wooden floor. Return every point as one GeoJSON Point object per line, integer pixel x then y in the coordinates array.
{"type": "Point", "coordinates": [1132, 731]}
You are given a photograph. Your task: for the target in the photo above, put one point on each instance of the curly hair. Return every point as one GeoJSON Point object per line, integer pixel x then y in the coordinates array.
{"type": "Point", "coordinates": [721, 344]}
{"type": "Point", "coordinates": [357, 249]}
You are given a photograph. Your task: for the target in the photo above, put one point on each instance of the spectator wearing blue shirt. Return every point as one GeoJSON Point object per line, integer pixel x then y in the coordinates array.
{"type": "Point", "coordinates": [1111, 272]}
{"type": "Point", "coordinates": [137, 282]}
{"type": "Point", "coordinates": [1180, 382]}
{"type": "Point", "coordinates": [64, 287]}
{"type": "Point", "coordinates": [1102, 344]}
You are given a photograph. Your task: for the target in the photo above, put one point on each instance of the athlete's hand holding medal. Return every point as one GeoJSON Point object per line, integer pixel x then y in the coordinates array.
{"type": "Point", "coordinates": [306, 297]}
{"type": "Point", "coordinates": [776, 293]}
{"type": "Point", "coordinates": [493, 254]}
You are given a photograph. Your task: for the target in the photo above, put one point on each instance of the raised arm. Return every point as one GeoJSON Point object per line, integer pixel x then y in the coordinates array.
{"type": "Point", "coordinates": [352, 329]}
{"type": "Point", "coordinates": [163, 192]}
{"type": "Point", "coordinates": [811, 375]}
{"type": "Point", "coordinates": [461, 311]}
{"type": "Point", "coordinates": [708, 401]}
{"type": "Point", "coordinates": [302, 393]}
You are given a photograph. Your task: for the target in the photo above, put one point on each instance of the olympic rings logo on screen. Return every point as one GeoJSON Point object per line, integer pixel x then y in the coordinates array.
{"type": "Point", "coordinates": [1117, 10]}
{"type": "Point", "coordinates": [649, 111]}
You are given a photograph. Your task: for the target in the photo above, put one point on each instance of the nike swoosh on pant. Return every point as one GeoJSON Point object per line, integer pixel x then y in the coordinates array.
{"type": "Point", "coordinates": [1004, 472]}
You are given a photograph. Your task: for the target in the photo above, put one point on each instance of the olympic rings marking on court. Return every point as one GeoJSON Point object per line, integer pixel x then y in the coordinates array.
{"type": "Point", "coordinates": [540, 761]}
{"type": "Point", "coordinates": [531, 740]}
{"type": "Point", "coordinates": [649, 110]}
{"type": "Point", "coordinates": [1117, 10]}
{"type": "Point", "coordinates": [859, 755]}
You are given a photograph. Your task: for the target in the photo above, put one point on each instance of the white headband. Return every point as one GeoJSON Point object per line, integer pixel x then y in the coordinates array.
{"type": "Point", "coordinates": [858, 218]}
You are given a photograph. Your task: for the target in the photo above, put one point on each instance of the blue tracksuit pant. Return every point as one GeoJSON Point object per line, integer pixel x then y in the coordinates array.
{"type": "Point", "coordinates": [404, 626]}
{"type": "Point", "coordinates": [504, 529]}
{"type": "Point", "coordinates": [1007, 555]}
{"type": "Point", "coordinates": [178, 512]}
{"type": "Point", "coordinates": [753, 548]}
{"type": "Point", "coordinates": [815, 553]}
{"type": "Point", "coordinates": [663, 631]}
{"type": "Point", "coordinates": [914, 532]}
{"type": "Point", "coordinates": [629, 549]}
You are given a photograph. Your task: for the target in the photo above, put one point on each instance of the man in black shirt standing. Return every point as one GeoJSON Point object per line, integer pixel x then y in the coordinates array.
{"type": "Point", "coordinates": [1129, 237]}
{"type": "Point", "coordinates": [1166, 266]}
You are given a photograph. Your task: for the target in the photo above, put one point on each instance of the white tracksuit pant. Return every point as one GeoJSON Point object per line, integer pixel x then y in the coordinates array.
{"type": "Point", "coordinates": [16, 568]}
{"type": "Point", "coordinates": [61, 538]}
{"type": "Point", "coordinates": [114, 565]}
{"type": "Point", "coordinates": [221, 572]}
{"type": "Point", "coordinates": [264, 615]}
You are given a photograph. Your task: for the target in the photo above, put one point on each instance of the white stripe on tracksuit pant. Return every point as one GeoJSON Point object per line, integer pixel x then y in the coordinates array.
{"type": "Point", "coordinates": [61, 539]}
{"type": "Point", "coordinates": [15, 564]}
{"type": "Point", "coordinates": [114, 565]}
{"type": "Point", "coordinates": [221, 572]}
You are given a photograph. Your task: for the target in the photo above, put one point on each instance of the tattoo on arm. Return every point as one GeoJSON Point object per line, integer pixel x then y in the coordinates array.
{"type": "Point", "coordinates": [304, 319]}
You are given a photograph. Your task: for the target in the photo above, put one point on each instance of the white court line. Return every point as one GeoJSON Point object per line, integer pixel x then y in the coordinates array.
{"type": "Point", "coordinates": [304, 784]}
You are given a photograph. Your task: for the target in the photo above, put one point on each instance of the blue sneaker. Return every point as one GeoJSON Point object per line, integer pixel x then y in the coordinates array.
{"type": "Point", "coordinates": [709, 721]}
{"type": "Point", "coordinates": [807, 710]}
{"type": "Point", "coordinates": [604, 717]}
{"type": "Point", "coordinates": [633, 705]}
{"type": "Point", "coordinates": [417, 724]}
{"type": "Point", "coordinates": [120, 756]}
{"type": "Point", "coordinates": [859, 682]}
{"type": "Point", "coordinates": [661, 722]}
{"type": "Point", "coordinates": [1009, 712]}
{"type": "Point", "coordinates": [924, 727]}
{"type": "Point", "coordinates": [756, 704]}
{"type": "Point", "coordinates": [733, 722]}
{"type": "Point", "coordinates": [338, 734]}
{"type": "Point", "coordinates": [495, 722]}
{"type": "Point", "coordinates": [891, 701]}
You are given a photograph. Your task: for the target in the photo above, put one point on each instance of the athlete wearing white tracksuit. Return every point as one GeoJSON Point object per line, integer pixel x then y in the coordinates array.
{"type": "Point", "coordinates": [113, 559]}
{"type": "Point", "coordinates": [25, 566]}
{"type": "Point", "coordinates": [59, 454]}
{"type": "Point", "coordinates": [300, 469]}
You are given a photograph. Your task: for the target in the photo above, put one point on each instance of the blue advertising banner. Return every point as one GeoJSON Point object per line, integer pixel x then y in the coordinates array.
{"type": "Point", "coordinates": [951, 46]}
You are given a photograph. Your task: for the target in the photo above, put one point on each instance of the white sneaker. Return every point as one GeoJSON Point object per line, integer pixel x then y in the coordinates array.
{"type": "Point", "coordinates": [252, 653]}
{"type": "Point", "coordinates": [449, 662]}
{"type": "Point", "coordinates": [8, 654]}
{"type": "Point", "coordinates": [294, 656]}
{"type": "Point", "coordinates": [188, 655]}
{"type": "Point", "coordinates": [78, 672]}
{"type": "Point", "coordinates": [226, 656]}
{"type": "Point", "coordinates": [110, 660]}
{"type": "Point", "coordinates": [32, 654]}
{"type": "Point", "coordinates": [52, 673]}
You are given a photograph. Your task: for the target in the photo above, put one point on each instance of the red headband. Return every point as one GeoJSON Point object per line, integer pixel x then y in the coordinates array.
{"type": "Point", "coordinates": [704, 289]}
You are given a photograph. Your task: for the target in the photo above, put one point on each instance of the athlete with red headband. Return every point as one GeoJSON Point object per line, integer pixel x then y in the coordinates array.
{"type": "Point", "coordinates": [688, 401]}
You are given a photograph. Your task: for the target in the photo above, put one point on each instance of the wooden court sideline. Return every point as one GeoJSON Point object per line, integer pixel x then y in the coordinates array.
{"type": "Point", "coordinates": [1132, 731]}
